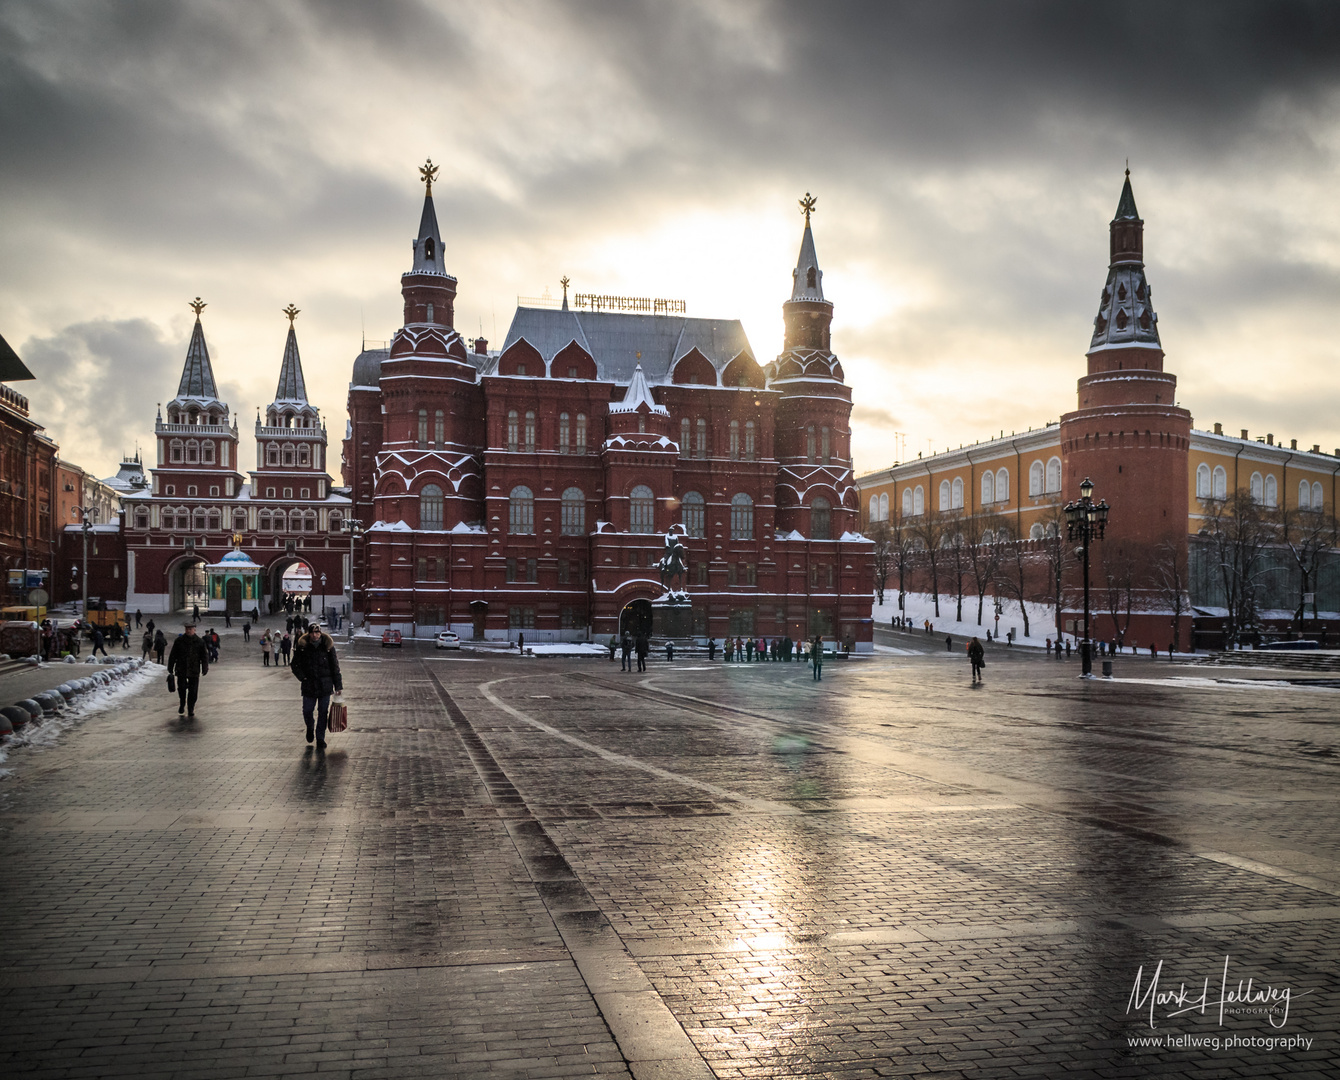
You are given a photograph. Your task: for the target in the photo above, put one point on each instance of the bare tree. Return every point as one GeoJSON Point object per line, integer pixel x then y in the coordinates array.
{"type": "Point", "coordinates": [1170, 574]}
{"type": "Point", "coordinates": [1237, 533]}
{"type": "Point", "coordinates": [1123, 570]}
{"type": "Point", "coordinates": [984, 553]}
{"type": "Point", "coordinates": [883, 557]}
{"type": "Point", "coordinates": [1308, 535]}
{"type": "Point", "coordinates": [956, 545]}
{"type": "Point", "coordinates": [1059, 557]}
{"type": "Point", "coordinates": [1012, 578]}
{"type": "Point", "coordinates": [929, 532]}
{"type": "Point", "coordinates": [902, 544]}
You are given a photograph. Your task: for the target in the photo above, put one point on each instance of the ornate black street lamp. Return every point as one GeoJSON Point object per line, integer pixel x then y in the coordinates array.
{"type": "Point", "coordinates": [1085, 520]}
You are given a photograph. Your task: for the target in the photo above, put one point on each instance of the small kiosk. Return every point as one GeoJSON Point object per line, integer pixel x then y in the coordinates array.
{"type": "Point", "coordinates": [233, 583]}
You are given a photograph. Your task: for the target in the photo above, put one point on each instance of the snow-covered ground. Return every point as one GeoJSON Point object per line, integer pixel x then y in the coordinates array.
{"type": "Point", "coordinates": [920, 607]}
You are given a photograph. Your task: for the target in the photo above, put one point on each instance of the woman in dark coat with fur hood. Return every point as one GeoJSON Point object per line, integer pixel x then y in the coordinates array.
{"type": "Point", "coordinates": [318, 669]}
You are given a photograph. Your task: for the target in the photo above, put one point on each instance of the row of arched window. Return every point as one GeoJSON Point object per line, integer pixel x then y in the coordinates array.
{"type": "Point", "coordinates": [288, 454]}
{"type": "Point", "coordinates": [191, 451]}
{"type": "Point", "coordinates": [439, 430]}
{"type": "Point", "coordinates": [995, 490]}
{"type": "Point", "coordinates": [522, 428]}
{"type": "Point", "coordinates": [1045, 479]}
{"type": "Point", "coordinates": [212, 519]}
{"type": "Point", "coordinates": [1213, 484]}
{"type": "Point", "coordinates": [287, 418]}
{"type": "Point", "coordinates": [641, 512]}
{"type": "Point", "coordinates": [743, 444]}
{"type": "Point", "coordinates": [195, 416]}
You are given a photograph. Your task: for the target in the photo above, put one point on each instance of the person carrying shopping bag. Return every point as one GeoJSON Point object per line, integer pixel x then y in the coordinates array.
{"type": "Point", "coordinates": [317, 667]}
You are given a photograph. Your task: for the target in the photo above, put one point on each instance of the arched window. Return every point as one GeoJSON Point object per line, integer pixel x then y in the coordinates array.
{"type": "Point", "coordinates": [956, 494]}
{"type": "Point", "coordinates": [1002, 485]}
{"type": "Point", "coordinates": [272, 453]}
{"type": "Point", "coordinates": [239, 520]}
{"type": "Point", "coordinates": [742, 517]}
{"type": "Point", "coordinates": [821, 519]}
{"type": "Point", "coordinates": [207, 452]}
{"type": "Point", "coordinates": [215, 520]}
{"type": "Point", "coordinates": [944, 494]}
{"type": "Point", "coordinates": [530, 431]}
{"type": "Point", "coordinates": [429, 248]}
{"type": "Point", "coordinates": [825, 446]}
{"type": "Point", "coordinates": [1257, 487]}
{"type": "Point", "coordinates": [874, 508]}
{"type": "Point", "coordinates": [693, 509]}
{"type": "Point", "coordinates": [430, 508]}
{"type": "Point", "coordinates": [685, 434]}
{"type": "Point", "coordinates": [263, 520]}
{"type": "Point", "coordinates": [1035, 478]}
{"type": "Point", "coordinates": [573, 512]}
{"type": "Point", "coordinates": [521, 512]}
{"type": "Point", "coordinates": [884, 507]}
{"type": "Point", "coordinates": [141, 517]}
{"type": "Point", "coordinates": [811, 447]}
{"type": "Point", "coordinates": [277, 522]}
{"type": "Point", "coordinates": [735, 440]}
{"type": "Point", "coordinates": [564, 434]}
{"type": "Point", "coordinates": [175, 451]}
{"type": "Point", "coordinates": [907, 502]}
{"type": "Point", "coordinates": [192, 451]}
{"type": "Point", "coordinates": [1202, 481]}
{"type": "Point", "coordinates": [295, 521]}
{"type": "Point", "coordinates": [200, 518]}
{"type": "Point", "coordinates": [580, 440]}
{"type": "Point", "coordinates": [988, 537]}
{"type": "Point", "coordinates": [440, 429]}
{"type": "Point", "coordinates": [513, 430]}
{"type": "Point", "coordinates": [1272, 490]}
{"type": "Point", "coordinates": [749, 440]}
{"type": "Point", "coordinates": [1318, 503]}
{"type": "Point", "coordinates": [430, 306]}
{"type": "Point", "coordinates": [641, 510]}
{"type": "Point", "coordinates": [288, 454]}
{"type": "Point", "coordinates": [309, 521]}
{"type": "Point", "coordinates": [1304, 494]}
{"type": "Point", "coordinates": [700, 438]}
{"type": "Point", "coordinates": [1220, 483]}
{"type": "Point", "coordinates": [304, 455]}
{"type": "Point", "coordinates": [423, 429]}
{"type": "Point", "coordinates": [918, 502]}
{"type": "Point", "coordinates": [1054, 475]}
{"type": "Point", "coordinates": [336, 521]}
{"type": "Point", "coordinates": [988, 487]}
{"type": "Point", "coordinates": [1035, 530]}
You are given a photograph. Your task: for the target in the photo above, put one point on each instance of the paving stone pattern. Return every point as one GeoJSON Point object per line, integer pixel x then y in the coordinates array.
{"type": "Point", "coordinates": [552, 868]}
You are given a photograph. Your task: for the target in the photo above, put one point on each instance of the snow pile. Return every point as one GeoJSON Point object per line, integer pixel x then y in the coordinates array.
{"type": "Point", "coordinates": [920, 607]}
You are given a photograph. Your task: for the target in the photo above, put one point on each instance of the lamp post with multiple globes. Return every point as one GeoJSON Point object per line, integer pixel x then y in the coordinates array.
{"type": "Point", "coordinates": [1085, 520]}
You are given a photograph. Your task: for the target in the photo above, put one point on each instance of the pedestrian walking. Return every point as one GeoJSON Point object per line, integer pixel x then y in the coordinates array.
{"type": "Point", "coordinates": [949, 643]}
{"type": "Point", "coordinates": [188, 661]}
{"type": "Point", "coordinates": [160, 644]}
{"type": "Point", "coordinates": [285, 647]}
{"type": "Point", "coordinates": [643, 647]}
{"type": "Point", "coordinates": [317, 668]}
{"type": "Point", "coordinates": [212, 641]}
{"type": "Point", "coordinates": [99, 643]}
{"type": "Point", "coordinates": [266, 645]}
{"type": "Point", "coordinates": [817, 658]}
{"type": "Point", "coordinates": [669, 652]}
{"type": "Point", "coordinates": [614, 647]}
{"type": "Point", "coordinates": [195, 612]}
{"type": "Point", "coordinates": [150, 626]}
{"type": "Point", "coordinates": [148, 644]}
{"type": "Point", "coordinates": [627, 664]}
{"type": "Point", "coordinates": [977, 658]}
{"type": "Point", "coordinates": [137, 618]}
{"type": "Point", "coordinates": [246, 630]}
{"type": "Point", "coordinates": [711, 648]}
{"type": "Point", "coordinates": [227, 619]}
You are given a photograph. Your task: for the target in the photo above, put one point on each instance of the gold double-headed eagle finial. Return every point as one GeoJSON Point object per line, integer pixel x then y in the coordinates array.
{"type": "Point", "coordinates": [428, 173]}
{"type": "Point", "coordinates": [807, 205]}
{"type": "Point", "coordinates": [292, 313]}
{"type": "Point", "coordinates": [197, 305]}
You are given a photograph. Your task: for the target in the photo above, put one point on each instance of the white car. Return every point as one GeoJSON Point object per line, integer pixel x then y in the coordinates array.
{"type": "Point", "coordinates": [447, 640]}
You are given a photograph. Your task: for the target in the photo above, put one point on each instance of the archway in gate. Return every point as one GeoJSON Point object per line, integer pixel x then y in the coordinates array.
{"type": "Point", "coordinates": [187, 585]}
{"type": "Point", "coordinates": [289, 580]}
{"type": "Point", "coordinates": [635, 618]}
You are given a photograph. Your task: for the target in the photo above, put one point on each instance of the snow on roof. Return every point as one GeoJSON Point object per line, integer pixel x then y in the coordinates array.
{"type": "Point", "coordinates": [637, 395]}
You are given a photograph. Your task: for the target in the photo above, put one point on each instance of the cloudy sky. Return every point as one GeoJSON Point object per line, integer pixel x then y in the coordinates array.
{"type": "Point", "coordinates": [967, 158]}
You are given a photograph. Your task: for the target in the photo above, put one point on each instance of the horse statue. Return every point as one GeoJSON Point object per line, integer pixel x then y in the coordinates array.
{"type": "Point", "coordinates": [674, 564]}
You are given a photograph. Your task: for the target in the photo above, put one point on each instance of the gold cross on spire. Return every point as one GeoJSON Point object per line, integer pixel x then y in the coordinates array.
{"type": "Point", "coordinates": [807, 205]}
{"type": "Point", "coordinates": [197, 305]}
{"type": "Point", "coordinates": [428, 173]}
{"type": "Point", "coordinates": [565, 281]}
{"type": "Point", "coordinates": [292, 313]}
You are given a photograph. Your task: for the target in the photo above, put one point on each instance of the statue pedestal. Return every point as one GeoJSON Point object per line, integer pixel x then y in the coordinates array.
{"type": "Point", "coordinates": [672, 617]}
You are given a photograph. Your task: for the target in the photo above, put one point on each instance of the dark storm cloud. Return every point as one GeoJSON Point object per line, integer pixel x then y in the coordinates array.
{"type": "Point", "coordinates": [97, 380]}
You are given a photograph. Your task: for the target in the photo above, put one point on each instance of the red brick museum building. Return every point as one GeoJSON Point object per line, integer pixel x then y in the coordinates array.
{"type": "Point", "coordinates": [530, 490]}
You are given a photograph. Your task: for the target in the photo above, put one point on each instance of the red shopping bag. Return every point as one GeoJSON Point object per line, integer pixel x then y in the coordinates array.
{"type": "Point", "coordinates": [339, 717]}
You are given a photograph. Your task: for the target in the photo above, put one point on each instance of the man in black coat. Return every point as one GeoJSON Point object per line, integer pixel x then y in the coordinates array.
{"type": "Point", "coordinates": [318, 668]}
{"type": "Point", "coordinates": [188, 660]}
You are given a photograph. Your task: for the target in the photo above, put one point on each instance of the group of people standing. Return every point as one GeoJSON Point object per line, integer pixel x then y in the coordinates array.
{"type": "Point", "coordinates": [280, 646]}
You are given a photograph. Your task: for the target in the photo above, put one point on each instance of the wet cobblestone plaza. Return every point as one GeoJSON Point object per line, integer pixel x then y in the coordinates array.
{"type": "Point", "coordinates": [547, 867]}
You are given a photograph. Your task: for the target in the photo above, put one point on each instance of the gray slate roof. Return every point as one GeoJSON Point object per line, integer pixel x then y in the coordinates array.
{"type": "Point", "coordinates": [614, 339]}
{"type": "Point", "coordinates": [291, 385]}
{"type": "Point", "coordinates": [197, 377]}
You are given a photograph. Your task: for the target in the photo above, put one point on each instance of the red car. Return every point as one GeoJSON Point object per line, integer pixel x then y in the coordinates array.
{"type": "Point", "coordinates": [391, 637]}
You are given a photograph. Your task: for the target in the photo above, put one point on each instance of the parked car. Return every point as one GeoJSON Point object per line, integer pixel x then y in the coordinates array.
{"type": "Point", "coordinates": [447, 640]}
{"type": "Point", "coordinates": [391, 637]}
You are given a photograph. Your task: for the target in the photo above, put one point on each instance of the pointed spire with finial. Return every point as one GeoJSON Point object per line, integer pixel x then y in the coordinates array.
{"type": "Point", "coordinates": [197, 376]}
{"type": "Point", "coordinates": [565, 281]}
{"type": "Point", "coordinates": [291, 384]}
{"type": "Point", "coordinates": [428, 245]}
{"type": "Point", "coordinates": [1126, 311]}
{"type": "Point", "coordinates": [807, 278]}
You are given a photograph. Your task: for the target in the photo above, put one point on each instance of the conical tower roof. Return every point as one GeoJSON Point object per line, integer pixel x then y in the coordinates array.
{"type": "Point", "coordinates": [291, 384]}
{"type": "Point", "coordinates": [1126, 204]}
{"type": "Point", "coordinates": [1126, 316]}
{"type": "Point", "coordinates": [197, 377]}
{"type": "Point", "coordinates": [428, 244]}
{"type": "Point", "coordinates": [637, 395]}
{"type": "Point", "coordinates": [807, 279]}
